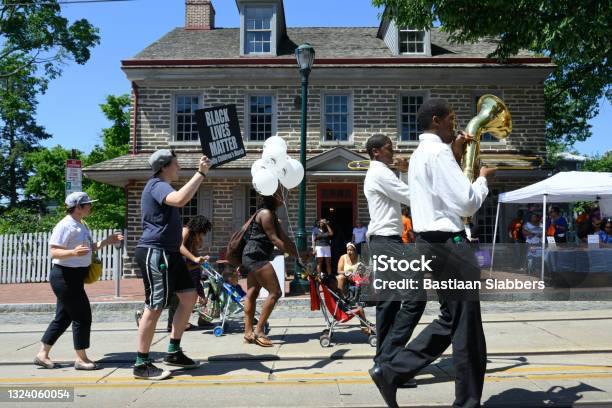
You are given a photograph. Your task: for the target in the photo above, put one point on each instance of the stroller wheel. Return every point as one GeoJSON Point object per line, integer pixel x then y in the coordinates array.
{"type": "Point", "coordinates": [324, 340]}
{"type": "Point", "coordinates": [218, 331]}
{"type": "Point", "coordinates": [372, 340]}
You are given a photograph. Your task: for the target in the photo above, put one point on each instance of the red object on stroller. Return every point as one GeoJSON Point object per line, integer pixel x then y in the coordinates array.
{"type": "Point", "coordinates": [337, 310]}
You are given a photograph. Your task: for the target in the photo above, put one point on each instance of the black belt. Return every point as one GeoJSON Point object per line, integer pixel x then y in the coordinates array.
{"type": "Point", "coordinates": [439, 236]}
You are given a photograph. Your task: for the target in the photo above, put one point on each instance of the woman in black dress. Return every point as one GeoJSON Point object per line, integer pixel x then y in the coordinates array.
{"type": "Point", "coordinates": [263, 235]}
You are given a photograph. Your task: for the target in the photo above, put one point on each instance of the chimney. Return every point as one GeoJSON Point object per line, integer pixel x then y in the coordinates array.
{"type": "Point", "coordinates": [199, 15]}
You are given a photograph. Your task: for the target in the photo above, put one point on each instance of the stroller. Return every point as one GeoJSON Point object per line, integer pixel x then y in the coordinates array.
{"type": "Point", "coordinates": [338, 309]}
{"type": "Point", "coordinates": [223, 300]}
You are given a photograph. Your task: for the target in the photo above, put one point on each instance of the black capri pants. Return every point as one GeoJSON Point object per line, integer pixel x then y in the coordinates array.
{"type": "Point", "coordinates": [72, 306]}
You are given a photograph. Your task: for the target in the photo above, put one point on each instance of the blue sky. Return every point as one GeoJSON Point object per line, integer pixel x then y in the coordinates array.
{"type": "Point", "coordinates": [70, 108]}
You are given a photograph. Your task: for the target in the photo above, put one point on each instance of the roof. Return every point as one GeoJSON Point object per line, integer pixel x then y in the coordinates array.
{"type": "Point", "coordinates": [120, 170]}
{"type": "Point", "coordinates": [329, 42]}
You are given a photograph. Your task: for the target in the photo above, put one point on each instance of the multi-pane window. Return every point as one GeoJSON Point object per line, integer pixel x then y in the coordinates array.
{"type": "Point", "coordinates": [190, 210]}
{"type": "Point", "coordinates": [336, 118]}
{"type": "Point", "coordinates": [258, 23]}
{"type": "Point", "coordinates": [260, 117]}
{"type": "Point", "coordinates": [485, 137]}
{"type": "Point", "coordinates": [255, 201]}
{"type": "Point", "coordinates": [185, 107]}
{"type": "Point", "coordinates": [412, 42]}
{"type": "Point", "coordinates": [409, 106]}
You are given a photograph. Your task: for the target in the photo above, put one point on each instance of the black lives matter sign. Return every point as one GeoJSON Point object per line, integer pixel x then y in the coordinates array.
{"type": "Point", "coordinates": [220, 136]}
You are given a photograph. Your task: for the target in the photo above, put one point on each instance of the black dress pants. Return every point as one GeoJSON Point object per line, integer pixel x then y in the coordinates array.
{"type": "Point", "coordinates": [72, 306]}
{"type": "Point", "coordinates": [395, 320]}
{"type": "Point", "coordinates": [459, 325]}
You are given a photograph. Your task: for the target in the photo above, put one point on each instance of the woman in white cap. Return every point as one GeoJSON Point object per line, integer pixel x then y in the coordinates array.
{"type": "Point", "coordinates": [71, 246]}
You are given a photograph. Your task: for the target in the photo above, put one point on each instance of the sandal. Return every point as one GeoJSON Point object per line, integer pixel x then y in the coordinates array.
{"type": "Point", "coordinates": [249, 339]}
{"type": "Point", "coordinates": [263, 341]}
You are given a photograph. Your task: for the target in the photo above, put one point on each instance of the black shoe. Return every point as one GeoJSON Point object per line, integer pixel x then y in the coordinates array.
{"type": "Point", "coordinates": [410, 383]}
{"type": "Point", "coordinates": [147, 371]}
{"type": "Point", "coordinates": [179, 359]}
{"type": "Point", "coordinates": [388, 391]}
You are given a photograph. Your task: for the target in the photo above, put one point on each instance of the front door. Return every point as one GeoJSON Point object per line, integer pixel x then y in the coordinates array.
{"type": "Point", "coordinates": [337, 202]}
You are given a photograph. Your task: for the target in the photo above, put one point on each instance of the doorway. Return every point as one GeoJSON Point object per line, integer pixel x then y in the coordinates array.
{"type": "Point", "coordinates": [337, 202]}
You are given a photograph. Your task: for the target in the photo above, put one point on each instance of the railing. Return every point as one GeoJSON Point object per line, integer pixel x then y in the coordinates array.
{"type": "Point", "coordinates": [26, 257]}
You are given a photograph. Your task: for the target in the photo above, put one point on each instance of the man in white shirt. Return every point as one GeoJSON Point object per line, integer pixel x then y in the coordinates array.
{"type": "Point", "coordinates": [385, 192]}
{"type": "Point", "coordinates": [440, 196]}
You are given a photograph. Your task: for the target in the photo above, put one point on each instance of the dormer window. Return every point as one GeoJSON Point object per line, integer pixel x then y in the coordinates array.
{"type": "Point", "coordinates": [413, 42]}
{"type": "Point", "coordinates": [258, 30]}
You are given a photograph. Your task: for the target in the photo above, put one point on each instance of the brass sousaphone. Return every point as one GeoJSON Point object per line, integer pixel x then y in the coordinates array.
{"type": "Point", "coordinates": [494, 118]}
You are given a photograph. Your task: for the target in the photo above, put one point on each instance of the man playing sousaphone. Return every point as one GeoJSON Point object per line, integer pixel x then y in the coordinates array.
{"type": "Point", "coordinates": [440, 195]}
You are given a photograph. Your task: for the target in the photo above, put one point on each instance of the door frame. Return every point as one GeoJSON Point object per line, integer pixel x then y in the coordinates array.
{"type": "Point", "coordinates": [337, 186]}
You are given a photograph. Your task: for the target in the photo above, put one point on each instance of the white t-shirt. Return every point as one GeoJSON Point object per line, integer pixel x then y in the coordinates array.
{"type": "Point", "coordinates": [534, 229]}
{"type": "Point", "coordinates": [69, 233]}
{"type": "Point", "coordinates": [360, 234]}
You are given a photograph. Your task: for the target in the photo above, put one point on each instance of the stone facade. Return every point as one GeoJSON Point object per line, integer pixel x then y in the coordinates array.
{"type": "Point", "coordinates": [375, 110]}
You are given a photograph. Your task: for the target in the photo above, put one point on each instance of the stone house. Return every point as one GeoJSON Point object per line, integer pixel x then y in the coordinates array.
{"type": "Point", "coordinates": [364, 80]}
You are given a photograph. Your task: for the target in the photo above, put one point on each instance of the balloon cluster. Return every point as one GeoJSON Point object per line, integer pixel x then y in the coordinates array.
{"type": "Point", "coordinates": [274, 167]}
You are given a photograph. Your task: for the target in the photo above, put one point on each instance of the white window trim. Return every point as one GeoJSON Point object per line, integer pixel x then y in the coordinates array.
{"type": "Point", "coordinates": [175, 94]}
{"type": "Point", "coordinates": [478, 93]}
{"type": "Point", "coordinates": [426, 42]}
{"type": "Point", "coordinates": [243, 30]}
{"type": "Point", "coordinates": [247, 117]}
{"type": "Point", "coordinates": [350, 120]}
{"type": "Point", "coordinates": [407, 143]}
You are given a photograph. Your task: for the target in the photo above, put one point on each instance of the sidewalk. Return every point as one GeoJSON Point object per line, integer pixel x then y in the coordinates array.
{"type": "Point", "coordinates": [535, 359]}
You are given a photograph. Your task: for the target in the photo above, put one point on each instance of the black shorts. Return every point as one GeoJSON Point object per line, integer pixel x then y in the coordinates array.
{"type": "Point", "coordinates": [163, 273]}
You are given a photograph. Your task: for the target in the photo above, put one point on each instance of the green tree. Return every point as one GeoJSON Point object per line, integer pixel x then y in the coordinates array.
{"type": "Point", "coordinates": [601, 163]}
{"type": "Point", "coordinates": [575, 34]}
{"type": "Point", "coordinates": [48, 173]}
{"type": "Point", "coordinates": [35, 34]}
{"type": "Point", "coordinates": [19, 131]}
{"type": "Point", "coordinates": [110, 210]}
{"type": "Point", "coordinates": [48, 167]}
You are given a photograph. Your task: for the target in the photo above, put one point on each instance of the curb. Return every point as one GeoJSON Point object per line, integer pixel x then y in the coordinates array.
{"type": "Point", "coordinates": [284, 303]}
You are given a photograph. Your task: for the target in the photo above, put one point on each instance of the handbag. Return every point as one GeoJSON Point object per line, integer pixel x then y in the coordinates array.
{"type": "Point", "coordinates": [237, 242]}
{"type": "Point", "coordinates": [95, 267]}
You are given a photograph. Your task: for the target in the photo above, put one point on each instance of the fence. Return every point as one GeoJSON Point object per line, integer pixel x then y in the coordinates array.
{"type": "Point", "coordinates": [26, 257]}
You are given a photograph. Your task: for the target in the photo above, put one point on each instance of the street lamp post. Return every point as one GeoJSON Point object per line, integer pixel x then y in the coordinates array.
{"type": "Point", "coordinates": [305, 57]}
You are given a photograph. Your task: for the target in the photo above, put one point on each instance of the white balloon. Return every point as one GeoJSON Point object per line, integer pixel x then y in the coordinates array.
{"type": "Point", "coordinates": [265, 182]}
{"type": "Point", "coordinates": [292, 173]}
{"type": "Point", "coordinates": [276, 141]}
{"type": "Point", "coordinates": [256, 166]}
{"type": "Point", "coordinates": [274, 157]}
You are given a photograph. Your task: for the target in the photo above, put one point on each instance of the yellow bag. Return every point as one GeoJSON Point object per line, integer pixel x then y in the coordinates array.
{"type": "Point", "coordinates": [95, 268]}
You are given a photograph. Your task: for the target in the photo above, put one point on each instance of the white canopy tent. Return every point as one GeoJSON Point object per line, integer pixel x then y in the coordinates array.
{"type": "Point", "coordinates": [563, 187]}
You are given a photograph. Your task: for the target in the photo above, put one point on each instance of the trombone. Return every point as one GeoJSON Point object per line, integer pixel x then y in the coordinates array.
{"type": "Point", "coordinates": [536, 162]}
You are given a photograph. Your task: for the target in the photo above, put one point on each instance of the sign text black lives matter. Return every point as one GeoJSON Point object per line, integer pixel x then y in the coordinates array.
{"type": "Point", "coordinates": [220, 136]}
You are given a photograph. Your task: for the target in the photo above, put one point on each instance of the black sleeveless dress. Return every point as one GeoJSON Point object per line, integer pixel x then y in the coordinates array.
{"type": "Point", "coordinates": [258, 249]}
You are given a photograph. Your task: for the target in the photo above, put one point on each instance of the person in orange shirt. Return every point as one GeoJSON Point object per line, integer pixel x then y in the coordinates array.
{"type": "Point", "coordinates": [407, 235]}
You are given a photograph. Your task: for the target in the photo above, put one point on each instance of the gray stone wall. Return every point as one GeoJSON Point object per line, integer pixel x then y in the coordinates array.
{"type": "Point", "coordinates": [375, 109]}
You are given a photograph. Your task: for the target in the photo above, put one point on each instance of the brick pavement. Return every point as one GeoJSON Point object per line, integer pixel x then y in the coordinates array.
{"type": "Point", "coordinates": [132, 290]}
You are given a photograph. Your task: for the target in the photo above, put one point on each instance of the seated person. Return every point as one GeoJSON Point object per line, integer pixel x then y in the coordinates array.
{"type": "Point", "coordinates": [590, 227]}
{"type": "Point", "coordinates": [605, 235]}
{"type": "Point", "coordinates": [346, 267]}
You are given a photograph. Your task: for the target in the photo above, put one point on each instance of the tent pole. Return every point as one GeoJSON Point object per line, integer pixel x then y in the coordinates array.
{"type": "Point", "coordinates": [543, 234]}
{"type": "Point", "coordinates": [494, 238]}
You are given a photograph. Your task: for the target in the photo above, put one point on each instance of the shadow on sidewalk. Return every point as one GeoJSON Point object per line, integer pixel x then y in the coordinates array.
{"type": "Point", "coordinates": [555, 396]}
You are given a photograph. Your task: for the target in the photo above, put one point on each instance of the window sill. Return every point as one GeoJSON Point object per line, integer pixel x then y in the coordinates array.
{"type": "Point", "coordinates": [337, 143]}
{"type": "Point", "coordinates": [184, 144]}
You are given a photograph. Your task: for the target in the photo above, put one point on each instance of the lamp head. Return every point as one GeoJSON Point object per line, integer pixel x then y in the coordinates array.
{"type": "Point", "coordinates": [305, 56]}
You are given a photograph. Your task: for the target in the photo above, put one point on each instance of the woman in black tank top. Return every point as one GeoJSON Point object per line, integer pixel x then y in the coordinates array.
{"type": "Point", "coordinates": [263, 235]}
